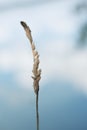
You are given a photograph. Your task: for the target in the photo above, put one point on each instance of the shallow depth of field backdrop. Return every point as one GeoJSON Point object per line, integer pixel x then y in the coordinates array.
{"type": "Point", "coordinates": [59, 30]}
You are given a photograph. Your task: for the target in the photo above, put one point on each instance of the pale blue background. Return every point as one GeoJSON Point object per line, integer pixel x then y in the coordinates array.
{"type": "Point", "coordinates": [56, 29]}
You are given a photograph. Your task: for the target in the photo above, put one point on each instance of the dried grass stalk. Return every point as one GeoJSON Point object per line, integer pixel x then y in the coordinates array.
{"type": "Point", "coordinates": [36, 71]}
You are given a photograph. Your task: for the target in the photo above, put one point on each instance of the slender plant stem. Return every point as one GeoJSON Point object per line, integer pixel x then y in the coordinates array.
{"type": "Point", "coordinates": [37, 113]}
{"type": "Point", "coordinates": [36, 71]}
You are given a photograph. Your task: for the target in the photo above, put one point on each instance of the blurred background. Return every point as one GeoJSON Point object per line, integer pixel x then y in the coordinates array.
{"type": "Point", "coordinates": [59, 30]}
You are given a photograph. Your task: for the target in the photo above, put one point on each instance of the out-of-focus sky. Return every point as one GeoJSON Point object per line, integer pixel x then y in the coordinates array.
{"type": "Point", "coordinates": [55, 29]}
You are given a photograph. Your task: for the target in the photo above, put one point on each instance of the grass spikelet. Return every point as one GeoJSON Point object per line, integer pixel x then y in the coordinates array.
{"type": "Point", "coordinates": [36, 60]}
